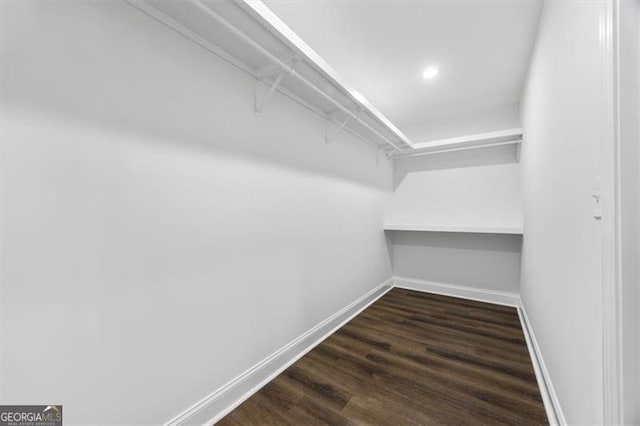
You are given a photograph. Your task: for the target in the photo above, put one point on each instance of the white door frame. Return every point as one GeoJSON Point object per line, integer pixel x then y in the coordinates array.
{"type": "Point", "coordinates": [611, 198]}
{"type": "Point", "coordinates": [609, 149]}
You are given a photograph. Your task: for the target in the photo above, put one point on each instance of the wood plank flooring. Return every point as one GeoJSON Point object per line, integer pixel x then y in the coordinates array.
{"type": "Point", "coordinates": [411, 358]}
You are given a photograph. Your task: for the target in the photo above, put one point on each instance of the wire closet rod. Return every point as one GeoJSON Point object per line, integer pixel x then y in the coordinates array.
{"type": "Point", "coordinates": [290, 70]}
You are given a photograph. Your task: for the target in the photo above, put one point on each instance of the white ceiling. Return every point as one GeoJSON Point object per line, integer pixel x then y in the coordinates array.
{"type": "Point", "coordinates": [482, 49]}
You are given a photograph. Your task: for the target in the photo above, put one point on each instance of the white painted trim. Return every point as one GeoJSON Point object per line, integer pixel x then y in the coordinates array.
{"type": "Point", "coordinates": [547, 391]}
{"type": "Point", "coordinates": [611, 214]}
{"type": "Point", "coordinates": [454, 290]}
{"type": "Point", "coordinates": [514, 230]}
{"type": "Point", "coordinates": [223, 400]}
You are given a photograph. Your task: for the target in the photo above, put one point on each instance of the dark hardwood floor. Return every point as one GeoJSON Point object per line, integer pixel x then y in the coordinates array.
{"type": "Point", "coordinates": [410, 358]}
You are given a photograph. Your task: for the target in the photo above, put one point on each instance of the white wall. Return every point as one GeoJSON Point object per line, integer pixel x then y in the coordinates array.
{"type": "Point", "coordinates": [482, 261]}
{"type": "Point", "coordinates": [479, 187]}
{"type": "Point", "coordinates": [629, 27]}
{"type": "Point", "coordinates": [561, 274]}
{"type": "Point", "coordinates": [157, 238]}
{"type": "Point", "coordinates": [465, 188]}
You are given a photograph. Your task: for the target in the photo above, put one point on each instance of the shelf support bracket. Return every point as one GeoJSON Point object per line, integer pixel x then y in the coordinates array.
{"type": "Point", "coordinates": [385, 151]}
{"type": "Point", "coordinates": [273, 68]}
{"type": "Point", "coordinates": [259, 103]}
{"type": "Point", "coordinates": [327, 137]}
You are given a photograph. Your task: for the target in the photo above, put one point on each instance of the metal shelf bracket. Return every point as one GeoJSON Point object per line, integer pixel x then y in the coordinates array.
{"type": "Point", "coordinates": [328, 135]}
{"type": "Point", "coordinates": [266, 73]}
{"type": "Point", "coordinates": [259, 103]}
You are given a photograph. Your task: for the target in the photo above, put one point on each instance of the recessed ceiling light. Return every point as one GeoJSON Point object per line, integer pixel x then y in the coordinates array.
{"type": "Point", "coordinates": [430, 72]}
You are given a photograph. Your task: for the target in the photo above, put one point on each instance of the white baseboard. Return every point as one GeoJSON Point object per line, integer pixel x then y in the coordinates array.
{"type": "Point", "coordinates": [454, 290]}
{"type": "Point", "coordinates": [547, 391]}
{"type": "Point", "coordinates": [222, 401]}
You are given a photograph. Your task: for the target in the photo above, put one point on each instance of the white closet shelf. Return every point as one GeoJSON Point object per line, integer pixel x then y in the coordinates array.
{"type": "Point", "coordinates": [480, 140]}
{"type": "Point", "coordinates": [247, 34]}
{"type": "Point", "coordinates": [512, 230]}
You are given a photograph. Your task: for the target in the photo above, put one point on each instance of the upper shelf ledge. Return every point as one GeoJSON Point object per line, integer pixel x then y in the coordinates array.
{"type": "Point", "coordinates": [480, 140]}
{"type": "Point", "coordinates": [513, 230]}
{"type": "Point", "coordinates": [249, 35]}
